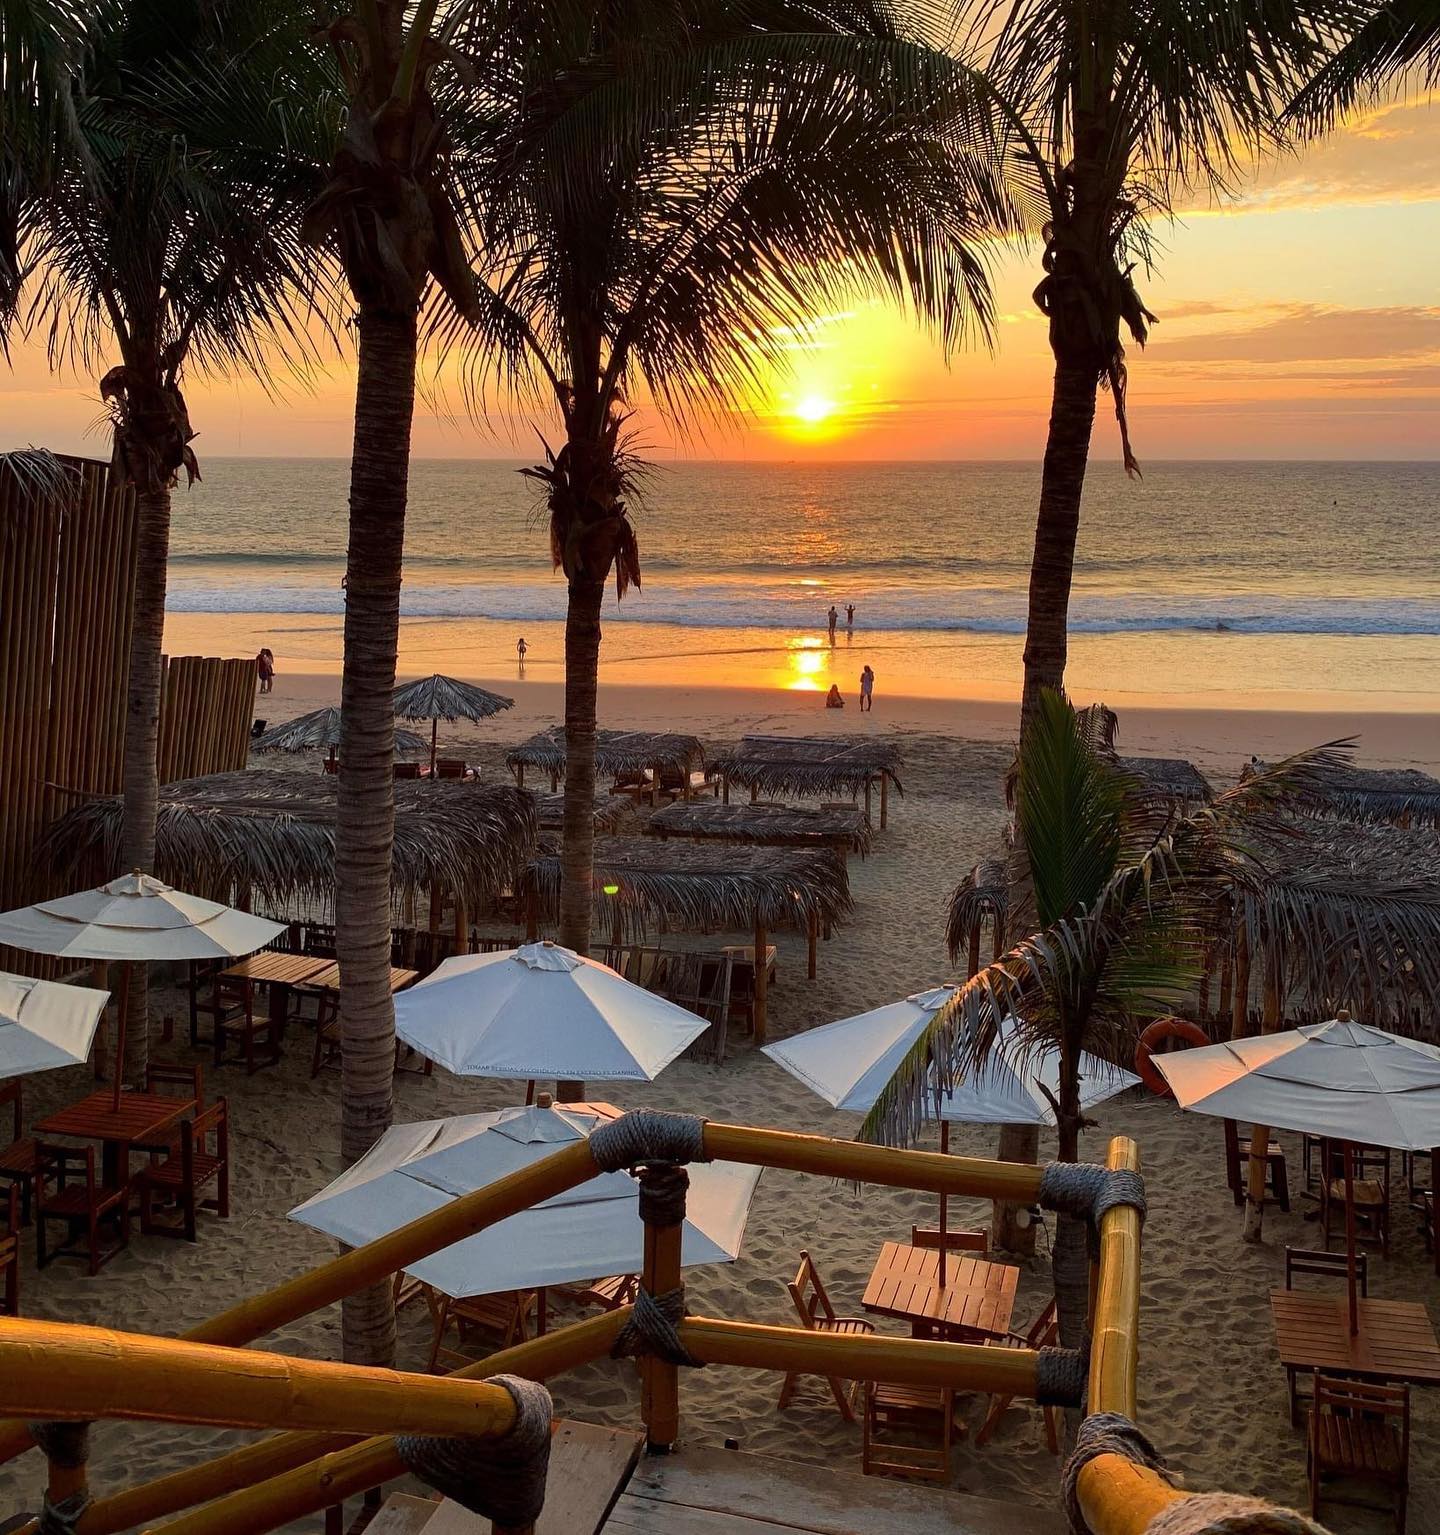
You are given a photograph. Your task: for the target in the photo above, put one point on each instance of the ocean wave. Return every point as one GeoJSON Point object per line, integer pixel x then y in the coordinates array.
{"type": "Point", "coordinates": [741, 605]}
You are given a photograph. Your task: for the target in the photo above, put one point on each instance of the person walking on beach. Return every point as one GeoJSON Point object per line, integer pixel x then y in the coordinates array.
{"type": "Point", "coordinates": [849, 615]}
{"type": "Point", "coordinates": [520, 648]}
{"type": "Point", "coordinates": [265, 666]}
{"type": "Point", "coordinates": [834, 619]}
{"type": "Point", "coordinates": [867, 690]}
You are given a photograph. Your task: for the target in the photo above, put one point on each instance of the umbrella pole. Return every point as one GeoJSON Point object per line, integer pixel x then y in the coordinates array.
{"type": "Point", "coordinates": [117, 1066]}
{"type": "Point", "coordinates": [1350, 1237]}
{"type": "Point", "coordinates": [944, 1200]}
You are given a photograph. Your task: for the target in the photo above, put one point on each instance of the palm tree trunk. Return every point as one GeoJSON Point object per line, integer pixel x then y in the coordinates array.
{"type": "Point", "coordinates": [1018, 1143]}
{"type": "Point", "coordinates": [582, 666]}
{"type": "Point", "coordinates": [365, 819]}
{"type": "Point", "coordinates": [1052, 566]}
{"type": "Point", "coordinates": [142, 732]}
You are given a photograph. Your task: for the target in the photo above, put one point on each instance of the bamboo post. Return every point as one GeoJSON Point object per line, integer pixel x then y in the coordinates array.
{"type": "Point", "coordinates": [973, 959]}
{"type": "Point", "coordinates": [1260, 1134]}
{"type": "Point", "coordinates": [122, 1020]}
{"type": "Point", "coordinates": [867, 801]}
{"type": "Point", "coordinates": [754, 793]}
{"type": "Point", "coordinates": [812, 936]}
{"type": "Point", "coordinates": [1240, 997]}
{"type": "Point", "coordinates": [884, 800]}
{"type": "Point", "coordinates": [724, 788]}
{"type": "Point", "coordinates": [660, 1275]}
{"type": "Point", "coordinates": [762, 979]}
{"type": "Point", "coordinates": [462, 925]}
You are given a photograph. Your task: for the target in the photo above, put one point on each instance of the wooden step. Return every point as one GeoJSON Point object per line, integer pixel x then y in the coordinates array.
{"type": "Point", "coordinates": [730, 1492]}
{"type": "Point", "coordinates": [589, 1467]}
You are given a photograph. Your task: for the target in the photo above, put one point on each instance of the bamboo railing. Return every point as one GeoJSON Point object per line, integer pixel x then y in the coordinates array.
{"type": "Point", "coordinates": [49, 1371]}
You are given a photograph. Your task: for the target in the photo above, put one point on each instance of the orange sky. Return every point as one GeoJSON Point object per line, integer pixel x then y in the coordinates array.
{"type": "Point", "coordinates": [1302, 321]}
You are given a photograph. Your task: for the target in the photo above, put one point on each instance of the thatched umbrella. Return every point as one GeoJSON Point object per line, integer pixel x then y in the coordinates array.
{"type": "Point", "coordinates": [843, 827]}
{"type": "Point", "coordinates": [620, 753]}
{"type": "Point", "coordinates": [273, 835]}
{"type": "Point", "coordinates": [1171, 779]}
{"type": "Point", "coordinates": [612, 811]}
{"type": "Point", "coordinates": [707, 887]}
{"type": "Point", "coordinates": [814, 765]}
{"type": "Point", "coordinates": [983, 895]}
{"type": "Point", "coordinates": [320, 729]}
{"type": "Point", "coordinates": [437, 698]}
{"type": "Point", "coordinates": [1398, 796]}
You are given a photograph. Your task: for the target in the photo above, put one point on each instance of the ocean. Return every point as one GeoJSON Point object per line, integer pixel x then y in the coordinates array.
{"type": "Point", "coordinates": [1269, 584]}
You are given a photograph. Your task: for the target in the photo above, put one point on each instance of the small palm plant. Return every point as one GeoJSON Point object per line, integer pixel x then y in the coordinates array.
{"type": "Point", "coordinates": [1117, 895]}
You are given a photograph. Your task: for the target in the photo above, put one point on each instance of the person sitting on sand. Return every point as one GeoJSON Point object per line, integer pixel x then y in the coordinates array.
{"type": "Point", "coordinates": [867, 690]}
{"type": "Point", "coordinates": [833, 699]}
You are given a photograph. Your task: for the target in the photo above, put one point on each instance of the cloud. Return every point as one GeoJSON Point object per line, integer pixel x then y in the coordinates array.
{"type": "Point", "coordinates": [1312, 333]}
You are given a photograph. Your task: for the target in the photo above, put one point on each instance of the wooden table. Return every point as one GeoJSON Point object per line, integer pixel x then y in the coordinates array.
{"type": "Point", "coordinates": [143, 1119]}
{"type": "Point", "coordinates": [327, 977]}
{"type": "Point", "coordinates": [978, 1297]}
{"type": "Point", "coordinates": [275, 968]}
{"type": "Point", "coordinates": [1396, 1341]}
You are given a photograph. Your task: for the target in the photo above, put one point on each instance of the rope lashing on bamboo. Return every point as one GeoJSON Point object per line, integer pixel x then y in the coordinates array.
{"type": "Point", "coordinates": [652, 1327]}
{"type": "Point", "coordinates": [1088, 1190]}
{"type": "Point", "coordinates": [66, 1445]}
{"type": "Point", "coordinates": [652, 1330]}
{"type": "Point", "coordinates": [501, 1479]}
{"type": "Point", "coordinates": [1061, 1376]}
{"type": "Point", "coordinates": [648, 1135]}
{"type": "Point", "coordinates": [1217, 1513]}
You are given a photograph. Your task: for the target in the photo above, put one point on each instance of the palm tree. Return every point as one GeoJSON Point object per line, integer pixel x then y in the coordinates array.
{"type": "Point", "coordinates": [389, 213]}
{"type": "Point", "coordinates": [1117, 897]}
{"type": "Point", "coordinates": [1397, 40]}
{"type": "Point", "coordinates": [141, 248]}
{"type": "Point", "coordinates": [1116, 110]}
{"type": "Point", "coordinates": [663, 218]}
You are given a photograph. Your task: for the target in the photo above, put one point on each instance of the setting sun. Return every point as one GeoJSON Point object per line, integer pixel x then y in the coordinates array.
{"type": "Point", "coordinates": [813, 409]}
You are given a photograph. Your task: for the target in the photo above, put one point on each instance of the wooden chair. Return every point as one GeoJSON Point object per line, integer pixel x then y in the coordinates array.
{"type": "Point", "coordinates": [182, 1175]}
{"type": "Point", "coordinates": [700, 983]}
{"type": "Point", "coordinates": [812, 1306]}
{"type": "Point", "coordinates": [608, 1294]}
{"type": "Point", "coordinates": [175, 1079]}
{"type": "Point", "coordinates": [17, 1160]}
{"type": "Point", "coordinates": [319, 940]}
{"type": "Point", "coordinates": [248, 1031]}
{"type": "Point", "coordinates": [1237, 1168]}
{"type": "Point", "coordinates": [1044, 1333]}
{"type": "Point", "coordinates": [10, 1251]}
{"type": "Point", "coordinates": [453, 767]}
{"type": "Point", "coordinates": [66, 1189]}
{"type": "Point", "coordinates": [1361, 1430]}
{"type": "Point", "coordinates": [209, 996]}
{"type": "Point", "coordinates": [1371, 1198]}
{"type": "Point", "coordinates": [955, 1241]}
{"type": "Point", "coordinates": [1328, 1265]}
{"type": "Point", "coordinates": [503, 1319]}
{"type": "Point", "coordinates": [404, 770]}
{"type": "Point", "coordinates": [912, 1411]}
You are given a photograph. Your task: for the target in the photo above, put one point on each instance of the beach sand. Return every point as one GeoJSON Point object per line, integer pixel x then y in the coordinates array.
{"type": "Point", "coordinates": [1212, 1393]}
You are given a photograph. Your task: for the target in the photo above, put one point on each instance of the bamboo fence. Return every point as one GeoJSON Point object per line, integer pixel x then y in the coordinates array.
{"type": "Point", "coordinates": [67, 567]}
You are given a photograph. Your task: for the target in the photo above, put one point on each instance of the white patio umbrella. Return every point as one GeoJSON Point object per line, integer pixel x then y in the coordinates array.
{"type": "Point", "coordinates": [587, 1232]}
{"type": "Point", "coordinates": [44, 1024]}
{"type": "Point", "coordinates": [135, 918]}
{"type": "Point", "coordinates": [542, 1011]}
{"type": "Point", "coordinates": [849, 1062]}
{"type": "Point", "coordinates": [1341, 1079]}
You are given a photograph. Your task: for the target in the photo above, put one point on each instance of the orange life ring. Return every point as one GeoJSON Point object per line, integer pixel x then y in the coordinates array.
{"type": "Point", "coordinates": [1156, 1034]}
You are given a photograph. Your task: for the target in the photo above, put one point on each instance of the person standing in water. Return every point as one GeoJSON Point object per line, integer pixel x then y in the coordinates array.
{"type": "Point", "coordinates": [520, 648]}
{"type": "Point", "coordinates": [867, 690]}
{"type": "Point", "coordinates": [849, 615]}
{"type": "Point", "coordinates": [834, 618]}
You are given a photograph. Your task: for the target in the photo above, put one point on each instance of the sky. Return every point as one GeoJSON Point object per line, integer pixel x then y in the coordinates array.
{"type": "Point", "coordinates": [1299, 320]}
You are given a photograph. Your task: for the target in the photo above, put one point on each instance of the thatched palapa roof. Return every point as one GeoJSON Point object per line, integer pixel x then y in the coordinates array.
{"type": "Point", "coordinates": [319, 730]}
{"type": "Point", "coordinates": [272, 835]}
{"type": "Point", "coordinates": [984, 894]}
{"type": "Point", "coordinates": [612, 811]}
{"type": "Point", "coordinates": [1399, 796]}
{"type": "Point", "coordinates": [811, 764]}
{"type": "Point", "coordinates": [1170, 778]}
{"type": "Point", "coordinates": [447, 698]}
{"type": "Point", "coordinates": [616, 751]}
{"type": "Point", "coordinates": [764, 825]}
{"type": "Point", "coordinates": [708, 888]}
